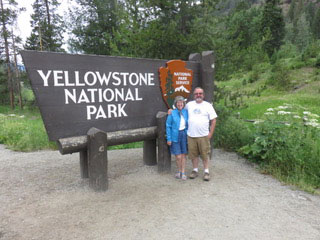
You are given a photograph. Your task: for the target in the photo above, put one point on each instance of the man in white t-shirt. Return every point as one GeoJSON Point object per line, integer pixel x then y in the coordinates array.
{"type": "Point", "coordinates": [200, 131]}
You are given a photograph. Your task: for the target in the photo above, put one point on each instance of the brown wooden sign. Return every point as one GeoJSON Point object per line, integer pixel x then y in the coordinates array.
{"type": "Point", "coordinates": [77, 92]}
{"type": "Point", "coordinates": [175, 80]}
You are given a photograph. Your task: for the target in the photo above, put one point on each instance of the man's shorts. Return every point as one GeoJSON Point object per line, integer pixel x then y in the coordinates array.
{"type": "Point", "coordinates": [180, 147]}
{"type": "Point", "coordinates": [199, 146]}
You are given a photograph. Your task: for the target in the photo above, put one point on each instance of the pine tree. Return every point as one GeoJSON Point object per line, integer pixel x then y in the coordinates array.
{"type": "Point", "coordinates": [47, 27]}
{"type": "Point", "coordinates": [272, 27]}
{"type": "Point", "coordinates": [8, 16]}
{"type": "Point", "coordinates": [93, 25]}
{"type": "Point", "coordinates": [316, 25]}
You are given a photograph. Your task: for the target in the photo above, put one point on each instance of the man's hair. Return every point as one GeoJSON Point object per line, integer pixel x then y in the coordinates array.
{"type": "Point", "coordinates": [198, 88]}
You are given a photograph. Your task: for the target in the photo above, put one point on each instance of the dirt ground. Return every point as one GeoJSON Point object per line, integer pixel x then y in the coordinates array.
{"type": "Point", "coordinates": [43, 197]}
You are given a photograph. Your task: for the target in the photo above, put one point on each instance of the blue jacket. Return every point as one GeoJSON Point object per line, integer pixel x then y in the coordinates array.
{"type": "Point", "coordinates": [173, 124]}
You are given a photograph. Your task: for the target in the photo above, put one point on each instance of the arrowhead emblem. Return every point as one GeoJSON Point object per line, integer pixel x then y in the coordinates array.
{"type": "Point", "coordinates": [175, 80]}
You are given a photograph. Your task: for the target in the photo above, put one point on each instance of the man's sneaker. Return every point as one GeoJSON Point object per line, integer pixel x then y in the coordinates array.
{"type": "Point", "coordinates": [177, 175]}
{"type": "Point", "coordinates": [206, 177]}
{"type": "Point", "coordinates": [193, 175]}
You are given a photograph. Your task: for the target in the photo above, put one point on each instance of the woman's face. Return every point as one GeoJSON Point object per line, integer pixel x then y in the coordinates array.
{"type": "Point", "coordinates": [180, 105]}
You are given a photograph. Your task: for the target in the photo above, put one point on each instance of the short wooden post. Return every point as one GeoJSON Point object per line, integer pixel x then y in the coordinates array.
{"type": "Point", "coordinates": [97, 159]}
{"type": "Point", "coordinates": [150, 152]}
{"type": "Point", "coordinates": [164, 156]}
{"type": "Point", "coordinates": [84, 164]}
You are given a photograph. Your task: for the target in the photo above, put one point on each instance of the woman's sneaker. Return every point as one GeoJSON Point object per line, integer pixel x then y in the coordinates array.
{"type": "Point", "coordinates": [177, 175]}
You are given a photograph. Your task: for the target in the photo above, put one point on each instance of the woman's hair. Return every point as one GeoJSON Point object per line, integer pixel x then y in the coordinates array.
{"type": "Point", "coordinates": [177, 99]}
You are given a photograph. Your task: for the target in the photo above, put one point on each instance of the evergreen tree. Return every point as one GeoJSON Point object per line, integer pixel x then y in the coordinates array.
{"type": "Point", "coordinates": [47, 27]}
{"type": "Point", "coordinates": [272, 27]}
{"type": "Point", "coordinates": [8, 16]}
{"type": "Point", "coordinates": [316, 24]}
{"type": "Point", "coordinates": [303, 36]}
{"type": "Point", "coordinates": [93, 25]}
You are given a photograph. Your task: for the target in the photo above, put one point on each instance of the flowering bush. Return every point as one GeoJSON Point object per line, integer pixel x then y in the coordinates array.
{"type": "Point", "coordinates": [287, 144]}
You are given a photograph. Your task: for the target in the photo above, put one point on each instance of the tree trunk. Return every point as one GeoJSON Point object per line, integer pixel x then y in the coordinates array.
{"type": "Point", "coordinates": [6, 45]}
{"type": "Point", "coordinates": [17, 71]}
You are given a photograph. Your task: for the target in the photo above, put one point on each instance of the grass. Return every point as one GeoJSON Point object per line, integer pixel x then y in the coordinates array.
{"type": "Point", "coordinates": [23, 130]}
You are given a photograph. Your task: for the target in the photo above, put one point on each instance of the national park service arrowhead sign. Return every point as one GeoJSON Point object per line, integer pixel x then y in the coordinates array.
{"type": "Point", "coordinates": [175, 80]}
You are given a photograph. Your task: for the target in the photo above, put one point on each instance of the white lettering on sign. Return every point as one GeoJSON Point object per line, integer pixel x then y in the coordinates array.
{"type": "Point", "coordinates": [111, 88]}
{"type": "Point", "coordinates": [111, 111]}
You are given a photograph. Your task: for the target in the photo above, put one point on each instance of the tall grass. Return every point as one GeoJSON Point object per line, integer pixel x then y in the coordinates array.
{"type": "Point", "coordinates": [23, 130]}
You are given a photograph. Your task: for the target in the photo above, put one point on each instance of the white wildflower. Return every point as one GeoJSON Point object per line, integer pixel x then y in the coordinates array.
{"type": "Point", "coordinates": [306, 113]}
{"type": "Point", "coordinates": [287, 124]}
{"type": "Point", "coordinates": [313, 120]}
{"type": "Point", "coordinates": [282, 107]}
{"type": "Point", "coordinates": [22, 116]}
{"type": "Point", "coordinates": [296, 116]}
{"type": "Point", "coordinates": [12, 115]}
{"type": "Point", "coordinates": [305, 118]}
{"type": "Point", "coordinates": [313, 124]}
{"type": "Point", "coordinates": [268, 113]}
{"type": "Point", "coordinates": [283, 113]}
{"type": "Point", "coordinates": [270, 109]}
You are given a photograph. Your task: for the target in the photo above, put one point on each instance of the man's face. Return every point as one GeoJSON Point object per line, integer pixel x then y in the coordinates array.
{"type": "Point", "coordinates": [198, 95]}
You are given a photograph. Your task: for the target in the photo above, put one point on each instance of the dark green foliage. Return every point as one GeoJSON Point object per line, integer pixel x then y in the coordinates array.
{"type": "Point", "coordinates": [316, 24]}
{"type": "Point", "coordinates": [279, 77]}
{"type": "Point", "coordinates": [231, 133]}
{"type": "Point", "coordinates": [94, 24]}
{"type": "Point", "coordinates": [47, 27]}
{"type": "Point", "coordinates": [3, 85]}
{"type": "Point", "coordinates": [272, 27]}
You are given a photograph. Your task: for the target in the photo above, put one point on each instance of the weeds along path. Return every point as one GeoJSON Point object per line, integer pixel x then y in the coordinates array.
{"type": "Point", "coordinates": [43, 197]}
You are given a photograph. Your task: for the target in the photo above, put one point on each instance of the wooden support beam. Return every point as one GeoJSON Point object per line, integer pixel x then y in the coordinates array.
{"type": "Point", "coordinates": [97, 159]}
{"type": "Point", "coordinates": [150, 152]}
{"type": "Point", "coordinates": [84, 163]}
{"type": "Point", "coordinates": [164, 156]}
{"type": "Point", "coordinates": [76, 144]}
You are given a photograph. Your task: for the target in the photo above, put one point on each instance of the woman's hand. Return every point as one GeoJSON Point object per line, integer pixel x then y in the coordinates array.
{"type": "Point", "coordinates": [169, 143]}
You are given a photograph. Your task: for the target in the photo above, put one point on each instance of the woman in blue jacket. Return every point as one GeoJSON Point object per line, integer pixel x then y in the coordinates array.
{"type": "Point", "coordinates": [176, 128]}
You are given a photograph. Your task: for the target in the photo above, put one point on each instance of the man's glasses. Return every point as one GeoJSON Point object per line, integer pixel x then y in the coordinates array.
{"type": "Point", "coordinates": [198, 93]}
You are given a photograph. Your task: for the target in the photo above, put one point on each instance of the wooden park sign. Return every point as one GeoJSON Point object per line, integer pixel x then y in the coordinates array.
{"type": "Point", "coordinates": [84, 97]}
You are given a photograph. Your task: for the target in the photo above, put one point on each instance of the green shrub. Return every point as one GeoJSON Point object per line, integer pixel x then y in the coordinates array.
{"type": "Point", "coordinates": [288, 147]}
{"type": "Point", "coordinates": [231, 133]}
{"type": "Point", "coordinates": [279, 77]}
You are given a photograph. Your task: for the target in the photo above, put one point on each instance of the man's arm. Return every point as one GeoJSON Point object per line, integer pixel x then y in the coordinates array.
{"type": "Point", "coordinates": [212, 127]}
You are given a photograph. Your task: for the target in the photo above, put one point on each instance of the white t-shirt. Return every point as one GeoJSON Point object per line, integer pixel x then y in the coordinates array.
{"type": "Point", "coordinates": [199, 116]}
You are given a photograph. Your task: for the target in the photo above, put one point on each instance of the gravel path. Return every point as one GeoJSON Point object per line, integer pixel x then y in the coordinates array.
{"type": "Point", "coordinates": [43, 197]}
